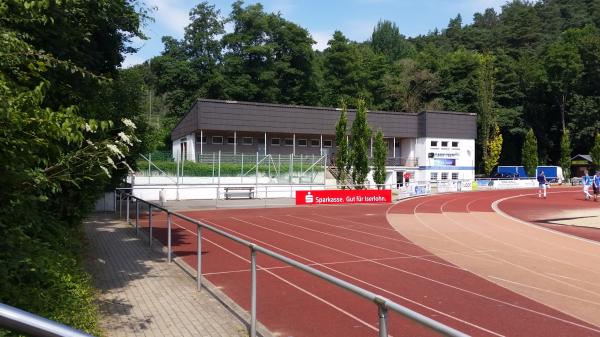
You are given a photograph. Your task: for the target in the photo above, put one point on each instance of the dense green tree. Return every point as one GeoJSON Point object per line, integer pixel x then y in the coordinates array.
{"type": "Point", "coordinates": [267, 58]}
{"type": "Point", "coordinates": [387, 40]}
{"type": "Point", "coordinates": [459, 81]}
{"type": "Point", "coordinates": [379, 156]}
{"type": "Point", "coordinates": [564, 67]}
{"type": "Point", "coordinates": [488, 125]}
{"type": "Point", "coordinates": [529, 153]}
{"type": "Point", "coordinates": [565, 154]}
{"type": "Point", "coordinates": [342, 157]}
{"type": "Point", "coordinates": [595, 152]}
{"type": "Point", "coordinates": [409, 87]}
{"type": "Point", "coordinates": [62, 139]}
{"type": "Point", "coordinates": [359, 145]}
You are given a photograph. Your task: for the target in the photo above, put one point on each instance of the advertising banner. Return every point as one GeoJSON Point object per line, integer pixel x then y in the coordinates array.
{"type": "Point", "coordinates": [339, 197]}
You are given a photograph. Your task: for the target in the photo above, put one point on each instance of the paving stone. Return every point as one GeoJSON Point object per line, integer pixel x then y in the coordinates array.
{"type": "Point", "coordinates": [132, 280]}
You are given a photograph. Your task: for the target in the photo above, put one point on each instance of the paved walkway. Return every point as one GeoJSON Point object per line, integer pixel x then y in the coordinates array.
{"type": "Point", "coordinates": [143, 295]}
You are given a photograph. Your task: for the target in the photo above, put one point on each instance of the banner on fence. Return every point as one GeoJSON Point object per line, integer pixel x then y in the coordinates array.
{"type": "Point", "coordinates": [343, 197]}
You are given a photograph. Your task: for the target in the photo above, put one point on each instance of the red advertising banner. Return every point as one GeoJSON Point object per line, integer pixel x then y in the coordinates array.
{"type": "Point", "coordinates": [322, 197]}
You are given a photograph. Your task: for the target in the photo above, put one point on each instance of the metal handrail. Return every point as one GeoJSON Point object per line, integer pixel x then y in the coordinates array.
{"type": "Point", "coordinates": [25, 322]}
{"type": "Point", "coordinates": [383, 304]}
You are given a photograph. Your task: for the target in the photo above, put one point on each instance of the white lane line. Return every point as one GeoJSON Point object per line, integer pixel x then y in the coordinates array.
{"type": "Point", "coordinates": [382, 237]}
{"type": "Point", "coordinates": [497, 209]}
{"type": "Point", "coordinates": [320, 299]}
{"type": "Point", "coordinates": [574, 279]}
{"type": "Point", "coordinates": [359, 242]}
{"type": "Point", "coordinates": [529, 237]}
{"type": "Point", "coordinates": [490, 298]}
{"type": "Point", "coordinates": [308, 264]}
{"type": "Point", "coordinates": [519, 249]}
{"type": "Point", "coordinates": [544, 290]}
{"type": "Point", "coordinates": [392, 294]}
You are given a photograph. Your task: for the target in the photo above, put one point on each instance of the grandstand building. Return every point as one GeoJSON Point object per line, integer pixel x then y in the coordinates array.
{"type": "Point", "coordinates": [429, 145]}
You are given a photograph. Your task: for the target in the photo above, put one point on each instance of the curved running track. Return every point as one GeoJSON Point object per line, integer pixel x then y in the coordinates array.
{"type": "Point", "coordinates": [450, 257]}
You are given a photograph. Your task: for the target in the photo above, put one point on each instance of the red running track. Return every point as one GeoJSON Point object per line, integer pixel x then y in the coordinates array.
{"type": "Point", "coordinates": [358, 244]}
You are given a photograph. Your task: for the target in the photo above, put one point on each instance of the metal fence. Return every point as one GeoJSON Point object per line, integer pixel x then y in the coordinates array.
{"type": "Point", "coordinates": [211, 167]}
{"type": "Point", "coordinates": [382, 304]}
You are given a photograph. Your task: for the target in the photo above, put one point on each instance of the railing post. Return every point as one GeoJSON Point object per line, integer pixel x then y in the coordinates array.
{"type": "Point", "coordinates": [128, 209]}
{"type": "Point", "coordinates": [252, 291]}
{"type": "Point", "coordinates": [169, 246]}
{"type": "Point", "coordinates": [382, 312]}
{"type": "Point", "coordinates": [137, 215]}
{"type": "Point", "coordinates": [150, 222]}
{"type": "Point", "coordinates": [199, 259]}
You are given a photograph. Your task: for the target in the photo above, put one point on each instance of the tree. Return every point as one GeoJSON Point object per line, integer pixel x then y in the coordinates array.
{"type": "Point", "coordinates": [487, 119]}
{"type": "Point", "coordinates": [493, 150]}
{"type": "Point", "coordinates": [387, 40]}
{"type": "Point", "coordinates": [359, 145]}
{"type": "Point", "coordinates": [529, 154]}
{"type": "Point", "coordinates": [564, 67]}
{"type": "Point", "coordinates": [342, 157]}
{"type": "Point", "coordinates": [595, 152]}
{"type": "Point", "coordinates": [409, 87]}
{"type": "Point", "coordinates": [565, 154]}
{"type": "Point", "coordinates": [267, 58]}
{"type": "Point", "coordinates": [379, 156]}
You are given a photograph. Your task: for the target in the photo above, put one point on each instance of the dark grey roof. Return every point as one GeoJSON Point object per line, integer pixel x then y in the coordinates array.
{"type": "Point", "coordinates": [210, 114]}
{"type": "Point", "coordinates": [583, 156]}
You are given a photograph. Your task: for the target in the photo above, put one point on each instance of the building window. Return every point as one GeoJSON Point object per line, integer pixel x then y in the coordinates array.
{"type": "Point", "coordinates": [275, 141]}
{"type": "Point", "coordinates": [454, 144]}
{"type": "Point", "coordinates": [454, 175]}
{"type": "Point", "coordinates": [433, 176]}
{"type": "Point", "coordinates": [203, 140]}
{"type": "Point", "coordinates": [230, 140]}
{"type": "Point", "coordinates": [247, 141]}
{"type": "Point", "coordinates": [444, 175]}
{"type": "Point", "coordinates": [444, 144]}
{"type": "Point", "coordinates": [288, 142]}
{"type": "Point", "coordinates": [315, 142]}
{"type": "Point", "coordinates": [434, 143]}
{"type": "Point", "coordinates": [302, 142]}
{"type": "Point", "coordinates": [328, 143]}
{"type": "Point", "coordinates": [217, 139]}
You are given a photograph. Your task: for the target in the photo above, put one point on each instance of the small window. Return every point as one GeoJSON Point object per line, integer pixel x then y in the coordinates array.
{"type": "Point", "coordinates": [302, 142]}
{"type": "Point", "coordinates": [230, 140]}
{"type": "Point", "coordinates": [454, 175]}
{"type": "Point", "coordinates": [275, 141]}
{"type": "Point", "coordinates": [203, 140]}
{"type": "Point", "coordinates": [315, 142]}
{"type": "Point", "coordinates": [444, 144]}
{"type": "Point", "coordinates": [247, 141]}
{"type": "Point", "coordinates": [288, 142]}
{"type": "Point", "coordinates": [444, 175]}
{"type": "Point", "coordinates": [217, 140]}
{"type": "Point", "coordinates": [454, 144]}
{"type": "Point", "coordinates": [328, 143]}
{"type": "Point", "coordinates": [433, 176]}
{"type": "Point", "coordinates": [434, 143]}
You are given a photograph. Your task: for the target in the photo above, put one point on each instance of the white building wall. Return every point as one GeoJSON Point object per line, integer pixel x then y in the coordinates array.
{"type": "Point", "coordinates": [190, 141]}
{"type": "Point", "coordinates": [450, 158]}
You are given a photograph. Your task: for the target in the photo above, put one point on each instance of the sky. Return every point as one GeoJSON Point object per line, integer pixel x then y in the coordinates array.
{"type": "Point", "coordinates": [354, 18]}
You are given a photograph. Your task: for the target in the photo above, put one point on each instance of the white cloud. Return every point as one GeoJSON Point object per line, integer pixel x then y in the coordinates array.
{"type": "Point", "coordinates": [172, 15]}
{"type": "Point", "coordinates": [285, 7]}
{"type": "Point", "coordinates": [321, 38]}
{"type": "Point", "coordinates": [131, 60]}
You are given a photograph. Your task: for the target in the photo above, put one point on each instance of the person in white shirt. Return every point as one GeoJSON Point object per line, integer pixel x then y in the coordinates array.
{"type": "Point", "coordinates": [587, 182]}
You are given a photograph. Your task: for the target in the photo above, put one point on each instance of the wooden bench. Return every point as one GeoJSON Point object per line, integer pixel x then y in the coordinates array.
{"type": "Point", "coordinates": [239, 191]}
